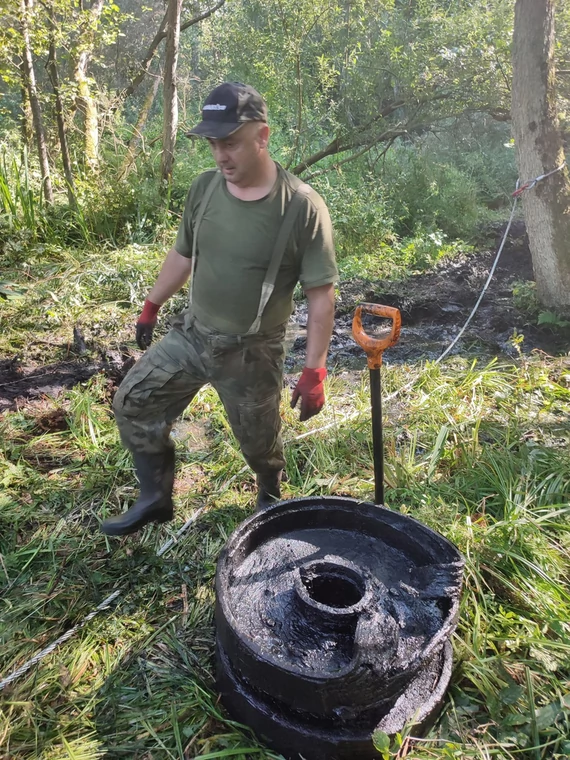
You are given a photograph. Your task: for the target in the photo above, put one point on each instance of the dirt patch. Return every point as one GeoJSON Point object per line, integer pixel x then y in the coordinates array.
{"type": "Point", "coordinates": [22, 383]}
{"type": "Point", "coordinates": [52, 422]}
{"type": "Point", "coordinates": [192, 433]}
{"type": "Point", "coordinates": [436, 305]}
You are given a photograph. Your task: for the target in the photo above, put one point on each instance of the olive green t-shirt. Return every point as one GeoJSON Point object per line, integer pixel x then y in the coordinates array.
{"type": "Point", "coordinates": [234, 247]}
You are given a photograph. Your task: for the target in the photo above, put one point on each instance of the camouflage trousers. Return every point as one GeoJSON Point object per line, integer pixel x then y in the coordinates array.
{"type": "Point", "coordinates": [245, 370]}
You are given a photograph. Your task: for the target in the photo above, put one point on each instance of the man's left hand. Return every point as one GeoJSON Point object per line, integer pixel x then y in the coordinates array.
{"type": "Point", "coordinates": [310, 390]}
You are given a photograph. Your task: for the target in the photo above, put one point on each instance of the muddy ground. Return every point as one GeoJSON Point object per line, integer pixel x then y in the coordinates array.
{"type": "Point", "coordinates": [434, 307]}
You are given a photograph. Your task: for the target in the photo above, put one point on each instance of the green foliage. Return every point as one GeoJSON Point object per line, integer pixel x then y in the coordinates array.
{"type": "Point", "coordinates": [382, 743]}
{"type": "Point", "coordinates": [423, 192]}
{"type": "Point", "coordinates": [483, 150]}
{"type": "Point", "coordinates": [425, 249]}
{"type": "Point", "coordinates": [326, 71]}
{"type": "Point", "coordinates": [358, 210]}
{"type": "Point", "coordinates": [21, 202]}
{"type": "Point", "coordinates": [108, 211]}
{"type": "Point", "coordinates": [116, 213]}
{"type": "Point", "coordinates": [552, 319]}
{"type": "Point", "coordinates": [525, 298]}
{"type": "Point", "coordinates": [401, 258]}
{"type": "Point", "coordinates": [10, 290]}
{"type": "Point", "coordinates": [367, 231]}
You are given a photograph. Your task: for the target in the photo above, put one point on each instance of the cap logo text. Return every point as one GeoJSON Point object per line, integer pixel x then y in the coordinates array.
{"type": "Point", "coordinates": [214, 107]}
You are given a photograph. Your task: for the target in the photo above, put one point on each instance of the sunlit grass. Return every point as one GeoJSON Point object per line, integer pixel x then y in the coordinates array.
{"type": "Point", "coordinates": [477, 451]}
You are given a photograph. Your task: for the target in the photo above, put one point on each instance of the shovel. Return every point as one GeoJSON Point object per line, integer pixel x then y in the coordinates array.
{"type": "Point", "coordinates": [374, 348]}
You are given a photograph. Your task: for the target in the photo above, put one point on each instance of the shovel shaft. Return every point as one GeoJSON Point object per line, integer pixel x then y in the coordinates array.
{"type": "Point", "coordinates": [377, 443]}
{"type": "Point", "coordinates": [374, 347]}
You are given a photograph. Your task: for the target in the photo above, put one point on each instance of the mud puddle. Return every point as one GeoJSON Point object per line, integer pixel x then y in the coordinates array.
{"type": "Point", "coordinates": [23, 383]}
{"type": "Point", "coordinates": [435, 306]}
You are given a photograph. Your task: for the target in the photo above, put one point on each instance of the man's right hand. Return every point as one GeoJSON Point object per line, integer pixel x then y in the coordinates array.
{"type": "Point", "coordinates": [146, 324]}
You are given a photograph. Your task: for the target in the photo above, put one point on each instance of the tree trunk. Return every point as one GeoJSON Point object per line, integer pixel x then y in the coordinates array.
{"type": "Point", "coordinates": [27, 119]}
{"type": "Point", "coordinates": [54, 78]}
{"type": "Point", "coordinates": [138, 129]}
{"type": "Point", "coordinates": [158, 37]}
{"type": "Point", "coordinates": [169, 89]}
{"type": "Point", "coordinates": [85, 100]}
{"type": "Point", "coordinates": [31, 87]}
{"type": "Point", "coordinates": [540, 150]}
{"type": "Point", "coordinates": [144, 65]}
{"type": "Point", "coordinates": [88, 107]}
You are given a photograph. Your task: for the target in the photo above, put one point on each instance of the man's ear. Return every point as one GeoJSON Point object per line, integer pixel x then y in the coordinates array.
{"type": "Point", "coordinates": [263, 135]}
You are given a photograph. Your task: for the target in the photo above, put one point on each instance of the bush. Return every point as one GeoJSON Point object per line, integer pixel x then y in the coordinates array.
{"type": "Point", "coordinates": [401, 212]}
{"type": "Point", "coordinates": [372, 241]}
{"type": "Point", "coordinates": [422, 193]}
{"type": "Point", "coordinates": [361, 221]}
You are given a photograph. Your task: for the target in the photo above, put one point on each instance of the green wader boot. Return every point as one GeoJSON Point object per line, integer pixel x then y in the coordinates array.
{"type": "Point", "coordinates": [156, 476]}
{"type": "Point", "coordinates": [269, 489]}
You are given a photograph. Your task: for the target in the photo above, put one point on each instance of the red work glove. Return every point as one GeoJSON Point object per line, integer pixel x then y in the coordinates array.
{"type": "Point", "coordinates": [310, 389]}
{"type": "Point", "coordinates": [146, 323]}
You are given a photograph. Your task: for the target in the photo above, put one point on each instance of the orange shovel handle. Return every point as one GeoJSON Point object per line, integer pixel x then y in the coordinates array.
{"type": "Point", "coordinates": [374, 347]}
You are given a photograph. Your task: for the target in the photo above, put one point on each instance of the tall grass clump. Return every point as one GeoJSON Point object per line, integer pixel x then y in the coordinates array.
{"type": "Point", "coordinates": [21, 201]}
{"type": "Point", "coordinates": [109, 209]}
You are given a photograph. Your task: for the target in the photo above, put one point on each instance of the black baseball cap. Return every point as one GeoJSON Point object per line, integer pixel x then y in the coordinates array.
{"type": "Point", "coordinates": [227, 108]}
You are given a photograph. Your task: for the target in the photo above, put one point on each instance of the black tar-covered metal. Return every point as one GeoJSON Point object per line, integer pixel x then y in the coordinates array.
{"type": "Point", "coordinates": [333, 619]}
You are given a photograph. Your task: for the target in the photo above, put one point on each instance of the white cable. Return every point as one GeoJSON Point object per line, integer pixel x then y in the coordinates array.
{"type": "Point", "coordinates": [489, 278]}
{"type": "Point", "coordinates": [532, 182]}
{"type": "Point", "coordinates": [53, 646]}
{"type": "Point", "coordinates": [39, 656]}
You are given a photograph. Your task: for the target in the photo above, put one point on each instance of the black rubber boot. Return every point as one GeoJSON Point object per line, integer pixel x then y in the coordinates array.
{"type": "Point", "coordinates": [268, 489]}
{"type": "Point", "coordinates": [156, 477]}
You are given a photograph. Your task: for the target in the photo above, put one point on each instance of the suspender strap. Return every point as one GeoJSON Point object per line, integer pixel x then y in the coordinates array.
{"type": "Point", "coordinates": [201, 210]}
{"type": "Point", "coordinates": [293, 209]}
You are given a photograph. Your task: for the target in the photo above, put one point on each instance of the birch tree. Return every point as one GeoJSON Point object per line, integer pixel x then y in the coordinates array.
{"type": "Point", "coordinates": [53, 73]}
{"type": "Point", "coordinates": [30, 85]}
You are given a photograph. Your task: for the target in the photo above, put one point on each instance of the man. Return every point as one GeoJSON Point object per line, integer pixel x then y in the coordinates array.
{"type": "Point", "coordinates": [249, 233]}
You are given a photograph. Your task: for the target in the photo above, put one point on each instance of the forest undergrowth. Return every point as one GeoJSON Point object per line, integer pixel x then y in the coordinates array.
{"type": "Point", "coordinates": [475, 449]}
{"type": "Point", "coordinates": [397, 114]}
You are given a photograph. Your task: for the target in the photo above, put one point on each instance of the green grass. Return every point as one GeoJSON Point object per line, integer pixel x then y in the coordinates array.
{"type": "Point", "coordinates": [478, 452]}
